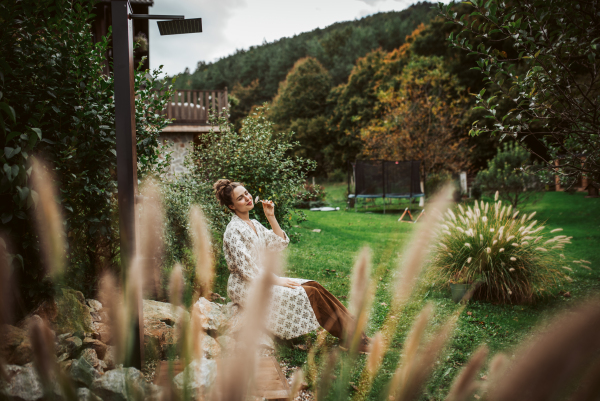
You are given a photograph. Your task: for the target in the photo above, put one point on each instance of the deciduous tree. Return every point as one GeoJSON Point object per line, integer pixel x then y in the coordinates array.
{"type": "Point", "coordinates": [422, 119]}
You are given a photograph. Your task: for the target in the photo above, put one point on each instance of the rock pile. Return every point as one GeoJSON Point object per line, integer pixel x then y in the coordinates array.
{"type": "Point", "coordinates": [85, 350]}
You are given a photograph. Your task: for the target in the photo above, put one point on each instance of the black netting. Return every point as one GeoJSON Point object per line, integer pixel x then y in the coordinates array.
{"type": "Point", "coordinates": [391, 179]}
{"type": "Point", "coordinates": [368, 178]}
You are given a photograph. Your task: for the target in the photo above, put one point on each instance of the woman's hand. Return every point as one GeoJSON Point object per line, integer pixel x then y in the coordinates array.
{"type": "Point", "coordinates": [268, 208]}
{"type": "Point", "coordinates": [286, 282]}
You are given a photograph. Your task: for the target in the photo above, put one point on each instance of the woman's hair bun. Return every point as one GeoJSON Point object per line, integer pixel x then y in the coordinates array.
{"type": "Point", "coordinates": [223, 190]}
{"type": "Point", "coordinates": [220, 184]}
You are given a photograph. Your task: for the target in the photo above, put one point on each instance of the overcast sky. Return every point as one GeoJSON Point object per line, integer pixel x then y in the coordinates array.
{"type": "Point", "coordinates": [238, 24]}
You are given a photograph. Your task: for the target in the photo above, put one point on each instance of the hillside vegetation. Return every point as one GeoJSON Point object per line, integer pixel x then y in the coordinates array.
{"type": "Point", "coordinates": [345, 91]}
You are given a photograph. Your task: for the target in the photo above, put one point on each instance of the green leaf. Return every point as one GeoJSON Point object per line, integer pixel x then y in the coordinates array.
{"type": "Point", "coordinates": [23, 193]}
{"type": "Point", "coordinates": [11, 136]}
{"type": "Point", "coordinates": [38, 132]}
{"type": "Point", "coordinates": [10, 152]}
{"type": "Point", "coordinates": [9, 111]}
{"type": "Point", "coordinates": [6, 217]}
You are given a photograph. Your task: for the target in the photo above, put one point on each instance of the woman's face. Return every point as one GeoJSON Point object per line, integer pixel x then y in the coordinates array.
{"type": "Point", "coordinates": [242, 200]}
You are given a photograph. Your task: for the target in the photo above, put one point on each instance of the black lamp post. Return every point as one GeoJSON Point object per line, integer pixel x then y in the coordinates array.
{"type": "Point", "coordinates": [127, 181]}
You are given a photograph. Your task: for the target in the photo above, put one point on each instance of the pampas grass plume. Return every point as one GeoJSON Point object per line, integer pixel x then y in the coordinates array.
{"type": "Point", "coordinates": [376, 354]}
{"type": "Point", "coordinates": [297, 380]}
{"type": "Point", "coordinates": [202, 250]}
{"type": "Point", "coordinates": [464, 384]}
{"type": "Point", "coordinates": [176, 284]}
{"type": "Point", "coordinates": [49, 219]}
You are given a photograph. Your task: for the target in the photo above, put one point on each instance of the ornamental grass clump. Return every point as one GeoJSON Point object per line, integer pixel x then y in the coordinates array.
{"type": "Point", "coordinates": [510, 256]}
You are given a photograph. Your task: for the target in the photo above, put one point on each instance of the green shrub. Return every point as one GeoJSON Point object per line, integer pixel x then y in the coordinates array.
{"type": "Point", "coordinates": [258, 158]}
{"type": "Point", "coordinates": [506, 174]}
{"type": "Point", "coordinates": [511, 257]}
{"type": "Point", "coordinates": [61, 106]}
{"type": "Point", "coordinates": [178, 196]}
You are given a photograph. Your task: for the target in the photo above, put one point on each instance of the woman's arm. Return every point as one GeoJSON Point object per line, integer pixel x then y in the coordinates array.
{"type": "Point", "coordinates": [269, 209]}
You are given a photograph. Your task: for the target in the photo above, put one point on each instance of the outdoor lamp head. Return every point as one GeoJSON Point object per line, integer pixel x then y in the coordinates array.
{"type": "Point", "coordinates": [176, 24]}
{"type": "Point", "coordinates": [176, 27]}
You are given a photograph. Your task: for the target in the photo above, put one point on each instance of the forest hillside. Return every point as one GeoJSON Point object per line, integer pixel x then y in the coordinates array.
{"type": "Point", "coordinates": [344, 89]}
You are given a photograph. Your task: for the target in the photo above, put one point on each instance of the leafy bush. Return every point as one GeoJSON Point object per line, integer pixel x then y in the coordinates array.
{"type": "Point", "coordinates": [549, 92]}
{"type": "Point", "coordinates": [506, 174]}
{"type": "Point", "coordinates": [256, 156]}
{"type": "Point", "coordinates": [310, 196]}
{"type": "Point", "coordinates": [511, 257]}
{"type": "Point", "coordinates": [178, 196]}
{"type": "Point", "coordinates": [57, 102]}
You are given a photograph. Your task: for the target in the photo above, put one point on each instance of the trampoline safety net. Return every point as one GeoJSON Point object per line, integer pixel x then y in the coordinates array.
{"type": "Point", "coordinates": [386, 179]}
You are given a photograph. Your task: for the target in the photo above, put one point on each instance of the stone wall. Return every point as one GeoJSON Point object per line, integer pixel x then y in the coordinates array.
{"type": "Point", "coordinates": [180, 144]}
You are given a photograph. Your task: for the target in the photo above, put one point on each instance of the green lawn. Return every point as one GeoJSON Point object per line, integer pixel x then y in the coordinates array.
{"type": "Point", "coordinates": [501, 327]}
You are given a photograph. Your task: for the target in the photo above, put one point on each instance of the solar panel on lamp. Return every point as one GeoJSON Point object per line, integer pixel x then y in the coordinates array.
{"type": "Point", "coordinates": [176, 27]}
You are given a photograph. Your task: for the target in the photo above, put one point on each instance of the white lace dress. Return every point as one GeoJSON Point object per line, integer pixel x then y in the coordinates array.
{"type": "Point", "coordinates": [290, 313]}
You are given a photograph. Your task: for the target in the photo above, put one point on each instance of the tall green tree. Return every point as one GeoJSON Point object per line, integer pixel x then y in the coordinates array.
{"type": "Point", "coordinates": [303, 93]}
{"type": "Point", "coordinates": [552, 85]}
{"type": "Point", "coordinates": [299, 107]}
{"type": "Point", "coordinates": [505, 174]}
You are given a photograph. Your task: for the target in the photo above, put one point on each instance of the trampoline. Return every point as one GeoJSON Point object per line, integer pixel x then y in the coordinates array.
{"type": "Point", "coordinates": [385, 179]}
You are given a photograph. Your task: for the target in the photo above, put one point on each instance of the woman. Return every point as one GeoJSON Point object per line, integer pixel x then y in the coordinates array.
{"type": "Point", "coordinates": [297, 306]}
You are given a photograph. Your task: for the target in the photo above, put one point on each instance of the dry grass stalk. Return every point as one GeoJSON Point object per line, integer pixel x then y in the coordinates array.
{"type": "Point", "coordinates": [552, 362]}
{"type": "Point", "coordinates": [133, 305]}
{"type": "Point", "coordinates": [297, 380]}
{"type": "Point", "coordinates": [51, 376]}
{"type": "Point", "coordinates": [361, 296]}
{"type": "Point", "coordinates": [590, 385]}
{"type": "Point", "coordinates": [326, 374]}
{"type": "Point", "coordinates": [5, 286]}
{"type": "Point", "coordinates": [112, 300]}
{"type": "Point", "coordinates": [202, 251]}
{"type": "Point", "coordinates": [312, 369]}
{"type": "Point", "coordinates": [197, 332]}
{"type": "Point", "coordinates": [464, 385]}
{"type": "Point", "coordinates": [42, 344]}
{"type": "Point", "coordinates": [411, 346]}
{"type": "Point", "coordinates": [414, 259]}
{"type": "Point", "coordinates": [239, 371]}
{"type": "Point", "coordinates": [410, 267]}
{"type": "Point", "coordinates": [150, 238]}
{"type": "Point", "coordinates": [176, 284]}
{"type": "Point", "coordinates": [418, 361]}
{"type": "Point", "coordinates": [49, 220]}
{"type": "Point", "coordinates": [498, 365]}
{"type": "Point", "coordinates": [376, 355]}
